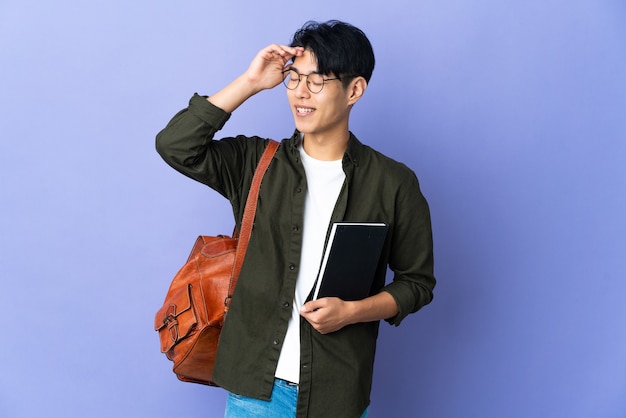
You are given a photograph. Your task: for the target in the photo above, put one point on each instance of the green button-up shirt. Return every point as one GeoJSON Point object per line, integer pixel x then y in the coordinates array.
{"type": "Point", "coordinates": [335, 369]}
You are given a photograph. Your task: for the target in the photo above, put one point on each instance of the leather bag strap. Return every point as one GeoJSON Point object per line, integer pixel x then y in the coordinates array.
{"type": "Point", "coordinates": [248, 216]}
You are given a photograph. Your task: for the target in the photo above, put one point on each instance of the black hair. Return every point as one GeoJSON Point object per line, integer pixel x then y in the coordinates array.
{"type": "Point", "coordinates": [340, 49]}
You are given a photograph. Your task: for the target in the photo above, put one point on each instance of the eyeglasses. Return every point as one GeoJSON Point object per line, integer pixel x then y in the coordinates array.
{"type": "Point", "coordinates": [314, 81]}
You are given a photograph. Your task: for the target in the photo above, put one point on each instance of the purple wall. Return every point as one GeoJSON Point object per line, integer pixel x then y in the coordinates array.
{"type": "Point", "coordinates": [511, 113]}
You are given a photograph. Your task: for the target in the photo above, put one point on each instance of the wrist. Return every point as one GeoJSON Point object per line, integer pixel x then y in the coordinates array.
{"type": "Point", "coordinates": [353, 311]}
{"type": "Point", "coordinates": [233, 95]}
{"type": "Point", "coordinates": [374, 308]}
{"type": "Point", "coordinates": [247, 85]}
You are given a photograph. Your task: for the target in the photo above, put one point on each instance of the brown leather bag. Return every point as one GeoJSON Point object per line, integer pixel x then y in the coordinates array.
{"type": "Point", "coordinates": [191, 319]}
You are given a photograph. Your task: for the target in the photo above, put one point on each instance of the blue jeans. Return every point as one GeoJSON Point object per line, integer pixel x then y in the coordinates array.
{"type": "Point", "coordinates": [281, 405]}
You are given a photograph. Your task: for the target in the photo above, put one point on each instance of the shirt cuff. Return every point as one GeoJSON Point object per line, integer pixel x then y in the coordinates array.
{"type": "Point", "coordinates": [209, 113]}
{"type": "Point", "coordinates": [404, 300]}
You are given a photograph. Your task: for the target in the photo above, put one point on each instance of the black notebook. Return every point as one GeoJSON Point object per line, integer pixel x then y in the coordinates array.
{"type": "Point", "coordinates": [350, 260]}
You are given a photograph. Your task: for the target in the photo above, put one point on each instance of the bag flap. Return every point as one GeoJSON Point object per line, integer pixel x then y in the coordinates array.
{"type": "Point", "coordinates": [176, 319]}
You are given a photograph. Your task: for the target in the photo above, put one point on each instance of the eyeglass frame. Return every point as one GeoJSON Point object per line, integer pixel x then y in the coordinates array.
{"type": "Point", "coordinates": [324, 80]}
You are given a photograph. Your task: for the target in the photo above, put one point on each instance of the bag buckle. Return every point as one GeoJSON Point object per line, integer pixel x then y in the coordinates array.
{"type": "Point", "coordinates": [171, 322]}
{"type": "Point", "coordinates": [227, 300]}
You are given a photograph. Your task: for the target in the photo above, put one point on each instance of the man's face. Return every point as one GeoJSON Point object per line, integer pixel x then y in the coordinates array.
{"type": "Point", "coordinates": [324, 114]}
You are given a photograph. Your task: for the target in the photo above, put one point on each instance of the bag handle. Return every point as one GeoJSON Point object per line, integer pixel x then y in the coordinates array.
{"type": "Point", "coordinates": [248, 217]}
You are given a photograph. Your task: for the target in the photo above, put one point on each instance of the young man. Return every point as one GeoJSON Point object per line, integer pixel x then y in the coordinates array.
{"type": "Point", "coordinates": [282, 354]}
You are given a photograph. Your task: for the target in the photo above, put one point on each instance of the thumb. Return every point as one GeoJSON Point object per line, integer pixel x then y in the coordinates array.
{"type": "Point", "coordinates": [310, 306]}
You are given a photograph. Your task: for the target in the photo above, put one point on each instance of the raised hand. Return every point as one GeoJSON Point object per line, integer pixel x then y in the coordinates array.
{"type": "Point", "coordinates": [265, 72]}
{"type": "Point", "coordinates": [266, 69]}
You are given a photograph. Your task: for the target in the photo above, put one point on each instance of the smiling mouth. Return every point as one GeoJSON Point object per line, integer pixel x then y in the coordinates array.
{"type": "Point", "coordinates": [304, 110]}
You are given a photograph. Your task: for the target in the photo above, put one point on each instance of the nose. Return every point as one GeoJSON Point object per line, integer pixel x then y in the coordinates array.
{"type": "Point", "coordinates": [301, 90]}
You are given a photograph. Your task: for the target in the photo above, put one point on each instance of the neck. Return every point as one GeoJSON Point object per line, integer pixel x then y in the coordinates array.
{"type": "Point", "coordinates": [326, 148]}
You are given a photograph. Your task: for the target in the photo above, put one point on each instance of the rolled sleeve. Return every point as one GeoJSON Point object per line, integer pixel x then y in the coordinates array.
{"type": "Point", "coordinates": [411, 258]}
{"type": "Point", "coordinates": [200, 107]}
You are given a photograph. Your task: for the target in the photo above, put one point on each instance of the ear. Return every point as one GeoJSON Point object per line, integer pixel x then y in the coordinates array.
{"type": "Point", "coordinates": [356, 89]}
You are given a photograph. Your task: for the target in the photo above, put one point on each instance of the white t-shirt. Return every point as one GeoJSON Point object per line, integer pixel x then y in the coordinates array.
{"type": "Point", "coordinates": [324, 182]}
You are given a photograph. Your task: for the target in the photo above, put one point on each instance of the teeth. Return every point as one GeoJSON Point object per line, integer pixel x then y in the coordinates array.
{"type": "Point", "coordinates": [303, 110]}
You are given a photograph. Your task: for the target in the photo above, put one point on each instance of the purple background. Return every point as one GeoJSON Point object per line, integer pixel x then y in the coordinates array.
{"type": "Point", "coordinates": [512, 114]}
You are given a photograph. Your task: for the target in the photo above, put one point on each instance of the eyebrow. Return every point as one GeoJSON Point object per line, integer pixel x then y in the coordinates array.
{"type": "Point", "coordinates": [298, 71]}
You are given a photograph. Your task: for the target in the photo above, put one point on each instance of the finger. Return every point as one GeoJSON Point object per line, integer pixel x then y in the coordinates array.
{"type": "Point", "coordinates": [276, 49]}
{"type": "Point", "coordinates": [285, 51]}
{"type": "Point", "coordinates": [292, 50]}
{"type": "Point", "coordinates": [314, 305]}
{"type": "Point", "coordinates": [309, 307]}
{"type": "Point", "coordinates": [296, 51]}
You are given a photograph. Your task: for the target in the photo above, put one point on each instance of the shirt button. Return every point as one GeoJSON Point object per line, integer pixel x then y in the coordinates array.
{"type": "Point", "coordinates": [292, 267]}
{"type": "Point", "coordinates": [299, 190]}
{"type": "Point", "coordinates": [295, 228]}
{"type": "Point", "coordinates": [276, 342]}
{"type": "Point", "coordinates": [286, 305]}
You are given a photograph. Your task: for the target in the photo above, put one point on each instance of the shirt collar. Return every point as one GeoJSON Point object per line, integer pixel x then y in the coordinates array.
{"type": "Point", "coordinates": [353, 152]}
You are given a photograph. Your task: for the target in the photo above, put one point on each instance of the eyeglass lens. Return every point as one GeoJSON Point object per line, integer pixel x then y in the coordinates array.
{"type": "Point", "coordinates": [314, 81]}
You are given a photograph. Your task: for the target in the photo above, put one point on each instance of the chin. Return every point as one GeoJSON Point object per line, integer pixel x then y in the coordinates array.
{"type": "Point", "coordinates": [302, 127]}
